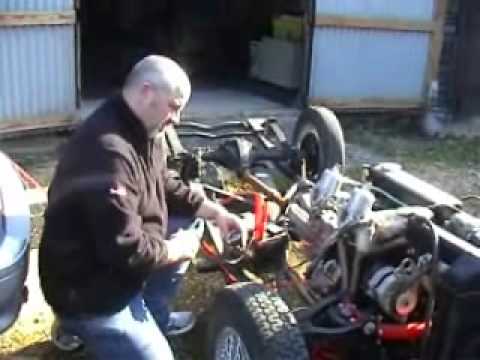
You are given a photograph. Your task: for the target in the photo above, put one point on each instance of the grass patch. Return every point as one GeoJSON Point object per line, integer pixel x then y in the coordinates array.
{"type": "Point", "coordinates": [404, 145]}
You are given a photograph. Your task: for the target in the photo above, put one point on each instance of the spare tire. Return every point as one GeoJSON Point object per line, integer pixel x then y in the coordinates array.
{"type": "Point", "coordinates": [319, 136]}
{"type": "Point", "coordinates": [249, 322]}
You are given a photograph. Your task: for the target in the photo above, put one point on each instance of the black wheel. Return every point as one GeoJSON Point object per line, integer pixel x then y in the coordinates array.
{"type": "Point", "coordinates": [319, 136]}
{"type": "Point", "coordinates": [248, 322]}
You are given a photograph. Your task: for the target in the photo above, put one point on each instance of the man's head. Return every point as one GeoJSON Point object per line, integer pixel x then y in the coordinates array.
{"type": "Point", "coordinates": [157, 89]}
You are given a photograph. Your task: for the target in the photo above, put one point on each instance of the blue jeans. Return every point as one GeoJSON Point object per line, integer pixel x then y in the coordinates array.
{"type": "Point", "coordinates": [135, 332]}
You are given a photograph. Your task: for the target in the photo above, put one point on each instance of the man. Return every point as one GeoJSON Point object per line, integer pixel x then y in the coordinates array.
{"type": "Point", "coordinates": [108, 263]}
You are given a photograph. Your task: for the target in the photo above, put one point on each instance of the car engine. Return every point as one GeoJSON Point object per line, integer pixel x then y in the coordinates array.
{"type": "Point", "coordinates": [374, 270]}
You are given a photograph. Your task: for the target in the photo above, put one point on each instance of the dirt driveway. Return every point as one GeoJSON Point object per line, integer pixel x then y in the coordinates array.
{"type": "Point", "coordinates": [451, 164]}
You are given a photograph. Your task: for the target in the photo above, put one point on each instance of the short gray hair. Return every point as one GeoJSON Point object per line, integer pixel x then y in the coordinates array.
{"type": "Point", "coordinates": [163, 73]}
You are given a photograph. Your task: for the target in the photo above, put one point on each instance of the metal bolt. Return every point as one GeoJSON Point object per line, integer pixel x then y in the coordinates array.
{"type": "Point", "coordinates": [369, 328]}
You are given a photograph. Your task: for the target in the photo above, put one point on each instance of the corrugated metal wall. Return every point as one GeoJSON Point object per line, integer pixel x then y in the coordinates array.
{"type": "Point", "coordinates": [35, 5]}
{"type": "Point", "coordinates": [355, 64]}
{"type": "Point", "coordinates": [358, 64]}
{"type": "Point", "coordinates": [37, 66]}
{"type": "Point", "coordinates": [397, 9]}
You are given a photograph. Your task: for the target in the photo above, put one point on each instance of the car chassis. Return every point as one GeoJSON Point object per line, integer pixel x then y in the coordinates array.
{"type": "Point", "coordinates": [384, 267]}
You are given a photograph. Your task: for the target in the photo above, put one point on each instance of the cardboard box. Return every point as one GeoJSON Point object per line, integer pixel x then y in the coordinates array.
{"type": "Point", "coordinates": [277, 61]}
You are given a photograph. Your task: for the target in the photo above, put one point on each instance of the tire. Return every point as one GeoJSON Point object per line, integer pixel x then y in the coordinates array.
{"type": "Point", "coordinates": [319, 136]}
{"type": "Point", "coordinates": [256, 323]}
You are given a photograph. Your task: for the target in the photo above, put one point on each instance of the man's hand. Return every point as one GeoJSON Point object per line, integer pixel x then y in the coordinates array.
{"type": "Point", "coordinates": [225, 220]}
{"type": "Point", "coordinates": [228, 223]}
{"type": "Point", "coordinates": [185, 243]}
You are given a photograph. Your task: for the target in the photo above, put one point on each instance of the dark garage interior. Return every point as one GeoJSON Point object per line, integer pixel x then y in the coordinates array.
{"type": "Point", "coordinates": [213, 40]}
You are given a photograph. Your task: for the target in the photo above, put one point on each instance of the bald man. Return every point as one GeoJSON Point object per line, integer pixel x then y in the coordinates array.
{"type": "Point", "coordinates": [117, 223]}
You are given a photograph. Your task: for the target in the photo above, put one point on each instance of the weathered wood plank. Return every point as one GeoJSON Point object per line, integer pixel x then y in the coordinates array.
{"type": "Point", "coordinates": [14, 128]}
{"type": "Point", "coordinates": [380, 24]}
{"type": "Point", "coordinates": [37, 18]}
{"type": "Point", "coordinates": [369, 103]}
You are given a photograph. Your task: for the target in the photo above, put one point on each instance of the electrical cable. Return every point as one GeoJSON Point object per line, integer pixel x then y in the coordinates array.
{"type": "Point", "coordinates": [307, 327]}
{"type": "Point", "coordinates": [433, 279]}
{"type": "Point", "coordinates": [330, 241]}
{"type": "Point", "coordinates": [342, 256]}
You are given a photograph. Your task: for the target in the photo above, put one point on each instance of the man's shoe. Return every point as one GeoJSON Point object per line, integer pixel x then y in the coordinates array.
{"type": "Point", "coordinates": [64, 341]}
{"type": "Point", "coordinates": [180, 323]}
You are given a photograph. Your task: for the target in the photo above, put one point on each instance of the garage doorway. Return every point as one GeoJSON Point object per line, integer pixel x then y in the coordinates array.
{"type": "Point", "coordinates": [230, 49]}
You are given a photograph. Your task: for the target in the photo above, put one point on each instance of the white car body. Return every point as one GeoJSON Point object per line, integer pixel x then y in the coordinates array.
{"type": "Point", "coordinates": [14, 242]}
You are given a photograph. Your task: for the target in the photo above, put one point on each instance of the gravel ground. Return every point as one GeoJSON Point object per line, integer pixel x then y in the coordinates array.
{"type": "Point", "coordinates": [460, 176]}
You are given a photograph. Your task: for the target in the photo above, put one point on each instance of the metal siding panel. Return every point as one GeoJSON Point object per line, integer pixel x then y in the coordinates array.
{"type": "Point", "coordinates": [352, 64]}
{"type": "Point", "coordinates": [37, 72]}
{"type": "Point", "coordinates": [398, 9]}
{"type": "Point", "coordinates": [36, 5]}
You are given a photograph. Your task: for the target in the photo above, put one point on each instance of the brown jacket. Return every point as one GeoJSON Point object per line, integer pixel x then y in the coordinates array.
{"type": "Point", "coordinates": [106, 220]}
